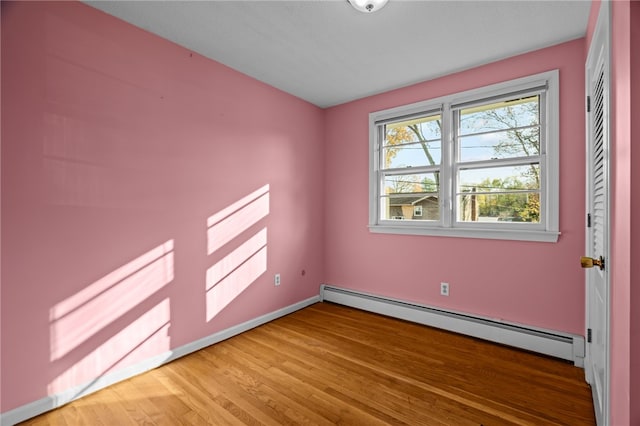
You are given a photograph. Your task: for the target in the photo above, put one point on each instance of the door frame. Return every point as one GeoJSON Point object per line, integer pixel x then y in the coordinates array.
{"type": "Point", "coordinates": [600, 44]}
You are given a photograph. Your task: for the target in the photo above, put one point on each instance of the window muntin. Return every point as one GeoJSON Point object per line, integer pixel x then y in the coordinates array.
{"type": "Point", "coordinates": [489, 168]}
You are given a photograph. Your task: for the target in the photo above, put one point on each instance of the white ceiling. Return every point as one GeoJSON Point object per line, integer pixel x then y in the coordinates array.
{"type": "Point", "coordinates": [328, 53]}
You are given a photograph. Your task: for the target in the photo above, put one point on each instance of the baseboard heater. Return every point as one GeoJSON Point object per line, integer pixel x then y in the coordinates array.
{"type": "Point", "coordinates": [557, 344]}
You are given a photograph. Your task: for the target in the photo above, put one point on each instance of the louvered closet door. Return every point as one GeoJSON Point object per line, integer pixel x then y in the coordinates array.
{"type": "Point", "coordinates": [597, 242]}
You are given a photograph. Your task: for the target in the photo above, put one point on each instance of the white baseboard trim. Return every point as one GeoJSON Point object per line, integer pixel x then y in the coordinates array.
{"type": "Point", "coordinates": [51, 402]}
{"type": "Point", "coordinates": [554, 343]}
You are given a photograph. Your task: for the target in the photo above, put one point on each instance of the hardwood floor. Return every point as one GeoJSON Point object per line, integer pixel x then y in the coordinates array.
{"type": "Point", "coordinates": [328, 364]}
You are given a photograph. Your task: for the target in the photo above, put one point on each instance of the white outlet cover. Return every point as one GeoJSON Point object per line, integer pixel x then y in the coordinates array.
{"type": "Point", "coordinates": [444, 289]}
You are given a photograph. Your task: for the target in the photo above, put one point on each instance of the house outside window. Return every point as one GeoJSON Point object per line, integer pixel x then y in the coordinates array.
{"type": "Point", "coordinates": [481, 164]}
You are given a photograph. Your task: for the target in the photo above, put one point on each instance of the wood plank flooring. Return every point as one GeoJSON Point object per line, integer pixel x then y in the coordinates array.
{"type": "Point", "coordinates": [328, 364]}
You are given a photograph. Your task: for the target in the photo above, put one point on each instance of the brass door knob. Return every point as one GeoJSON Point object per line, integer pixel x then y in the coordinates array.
{"type": "Point", "coordinates": [589, 262]}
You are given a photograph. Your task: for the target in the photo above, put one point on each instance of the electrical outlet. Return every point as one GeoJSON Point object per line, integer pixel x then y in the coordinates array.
{"type": "Point", "coordinates": [276, 279]}
{"type": "Point", "coordinates": [444, 289]}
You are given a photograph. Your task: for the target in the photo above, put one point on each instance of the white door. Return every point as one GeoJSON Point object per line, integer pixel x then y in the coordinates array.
{"type": "Point", "coordinates": [597, 239]}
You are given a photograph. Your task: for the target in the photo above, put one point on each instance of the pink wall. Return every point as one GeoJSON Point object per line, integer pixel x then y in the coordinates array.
{"type": "Point", "coordinates": [634, 254]}
{"type": "Point", "coordinates": [539, 284]}
{"type": "Point", "coordinates": [625, 235]}
{"type": "Point", "coordinates": [120, 153]}
{"type": "Point", "coordinates": [620, 278]}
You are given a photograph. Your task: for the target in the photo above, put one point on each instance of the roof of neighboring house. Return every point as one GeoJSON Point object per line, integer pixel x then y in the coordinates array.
{"type": "Point", "coordinates": [409, 199]}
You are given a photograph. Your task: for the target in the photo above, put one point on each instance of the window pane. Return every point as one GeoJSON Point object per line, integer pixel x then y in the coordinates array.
{"type": "Point", "coordinates": [412, 155]}
{"type": "Point", "coordinates": [500, 179]}
{"type": "Point", "coordinates": [521, 142]}
{"type": "Point", "coordinates": [500, 115]}
{"type": "Point", "coordinates": [505, 129]}
{"type": "Point", "coordinates": [424, 207]}
{"type": "Point", "coordinates": [499, 208]}
{"type": "Point", "coordinates": [420, 183]}
{"type": "Point", "coordinates": [412, 197]}
{"type": "Point", "coordinates": [412, 142]}
{"type": "Point", "coordinates": [413, 207]}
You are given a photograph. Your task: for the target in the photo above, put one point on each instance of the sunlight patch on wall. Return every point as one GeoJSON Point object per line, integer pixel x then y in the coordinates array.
{"type": "Point", "coordinates": [143, 338]}
{"type": "Point", "coordinates": [235, 272]}
{"type": "Point", "coordinates": [230, 222]}
{"type": "Point", "coordinates": [79, 317]}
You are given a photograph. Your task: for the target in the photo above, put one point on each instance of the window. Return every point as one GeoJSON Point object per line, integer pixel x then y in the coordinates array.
{"type": "Point", "coordinates": [481, 164]}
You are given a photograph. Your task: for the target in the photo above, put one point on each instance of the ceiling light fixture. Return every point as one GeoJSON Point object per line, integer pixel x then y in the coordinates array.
{"type": "Point", "coordinates": [367, 6]}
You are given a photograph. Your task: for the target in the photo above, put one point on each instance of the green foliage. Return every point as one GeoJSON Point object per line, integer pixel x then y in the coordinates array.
{"type": "Point", "coordinates": [430, 185]}
{"type": "Point", "coordinates": [520, 207]}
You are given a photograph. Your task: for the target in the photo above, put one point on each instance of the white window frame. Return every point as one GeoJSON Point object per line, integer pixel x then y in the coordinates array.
{"type": "Point", "coordinates": [448, 226]}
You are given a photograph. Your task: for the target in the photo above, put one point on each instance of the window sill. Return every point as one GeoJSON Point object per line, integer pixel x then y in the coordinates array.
{"type": "Point", "coordinates": [491, 234]}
